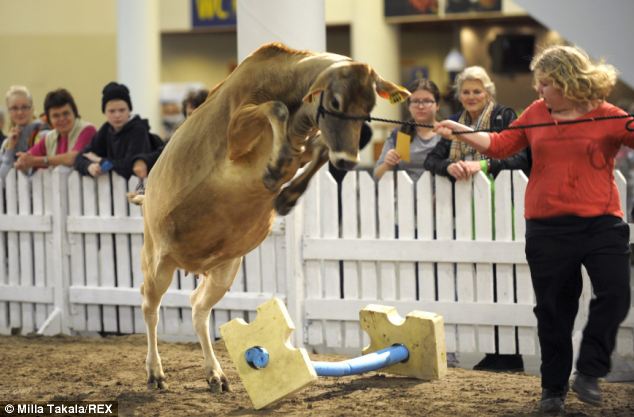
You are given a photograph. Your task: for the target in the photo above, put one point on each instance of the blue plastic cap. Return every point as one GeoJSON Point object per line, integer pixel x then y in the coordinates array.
{"type": "Point", "coordinates": [257, 357]}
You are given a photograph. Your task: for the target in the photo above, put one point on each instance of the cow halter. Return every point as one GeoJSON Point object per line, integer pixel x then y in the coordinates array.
{"type": "Point", "coordinates": [322, 112]}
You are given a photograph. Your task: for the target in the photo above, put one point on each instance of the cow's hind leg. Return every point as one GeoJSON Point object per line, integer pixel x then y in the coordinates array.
{"type": "Point", "coordinates": [214, 285]}
{"type": "Point", "coordinates": [155, 283]}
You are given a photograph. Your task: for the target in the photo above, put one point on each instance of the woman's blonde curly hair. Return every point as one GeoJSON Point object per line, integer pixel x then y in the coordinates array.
{"type": "Point", "coordinates": [571, 70]}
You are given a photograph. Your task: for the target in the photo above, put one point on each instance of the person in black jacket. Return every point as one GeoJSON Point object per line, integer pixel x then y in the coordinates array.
{"type": "Point", "coordinates": [124, 143]}
{"type": "Point", "coordinates": [476, 93]}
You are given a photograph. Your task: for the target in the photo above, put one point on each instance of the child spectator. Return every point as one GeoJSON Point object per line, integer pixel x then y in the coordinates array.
{"type": "Point", "coordinates": [124, 143]}
{"type": "Point", "coordinates": [193, 99]}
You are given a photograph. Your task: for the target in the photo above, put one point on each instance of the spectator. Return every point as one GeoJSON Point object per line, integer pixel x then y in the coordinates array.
{"type": "Point", "coordinates": [457, 160]}
{"type": "Point", "coordinates": [62, 144]}
{"type": "Point", "coordinates": [193, 99]}
{"type": "Point", "coordinates": [423, 104]}
{"type": "Point", "coordinates": [476, 93]}
{"type": "Point", "coordinates": [23, 128]}
{"type": "Point", "coordinates": [573, 216]}
{"type": "Point", "coordinates": [124, 143]}
{"type": "Point", "coordinates": [174, 114]}
{"type": "Point", "coordinates": [2, 119]}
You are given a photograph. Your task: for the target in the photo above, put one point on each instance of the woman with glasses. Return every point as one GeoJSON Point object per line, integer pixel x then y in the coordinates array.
{"type": "Point", "coordinates": [62, 144]}
{"type": "Point", "coordinates": [476, 93]}
{"type": "Point", "coordinates": [423, 106]}
{"type": "Point", "coordinates": [23, 127]}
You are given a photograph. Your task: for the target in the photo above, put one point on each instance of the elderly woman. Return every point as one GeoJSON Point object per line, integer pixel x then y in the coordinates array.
{"type": "Point", "coordinates": [23, 127]}
{"type": "Point", "coordinates": [458, 160]}
{"type": "Point", "coordinates": [476, 93]}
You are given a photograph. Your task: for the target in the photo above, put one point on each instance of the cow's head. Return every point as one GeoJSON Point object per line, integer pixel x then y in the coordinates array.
{"type": "Point", "coordinates": [347, 89]}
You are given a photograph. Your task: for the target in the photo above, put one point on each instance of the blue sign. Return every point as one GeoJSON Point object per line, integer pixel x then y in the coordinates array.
{"type": "Point", "coordinates": [213, 13]}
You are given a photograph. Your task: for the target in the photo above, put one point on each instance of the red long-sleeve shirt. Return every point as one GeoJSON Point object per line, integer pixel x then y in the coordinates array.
{"type": "Point", "coordinates": [573, 165]}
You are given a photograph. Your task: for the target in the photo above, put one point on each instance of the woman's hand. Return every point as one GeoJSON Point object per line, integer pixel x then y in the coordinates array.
{"type": "Point", "coordinates": [392, 158]}
{"type": "Point", "coordinates": [92, 157]}
{"type": "Point", "coordinates": [447, 127]}
{"type": "Point", "coordinates": [463, 170]}
{"type": "Point", "coordinates": [24, 161]}
{"type": "Point", "coordinates": [140, 168]}
{"type": "Point", "coordinates": [94, 169]}
{"type": "Point", "coordinates": [12, 138]}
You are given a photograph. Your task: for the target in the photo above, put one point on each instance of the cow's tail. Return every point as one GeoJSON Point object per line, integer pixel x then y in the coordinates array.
{"type": "Point", "coordinates": [136, 198]}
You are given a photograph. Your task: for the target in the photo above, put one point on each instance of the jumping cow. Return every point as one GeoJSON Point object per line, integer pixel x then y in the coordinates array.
{"type": "Point", "coordinates": [212, 196]}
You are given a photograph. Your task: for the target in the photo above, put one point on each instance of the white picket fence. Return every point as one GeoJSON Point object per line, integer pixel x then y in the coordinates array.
{"type": "Point", "coordinates": [72, 247]}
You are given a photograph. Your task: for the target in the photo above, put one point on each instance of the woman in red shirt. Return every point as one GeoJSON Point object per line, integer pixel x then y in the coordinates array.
{"type": "Point", "coordinates": [573, 215]}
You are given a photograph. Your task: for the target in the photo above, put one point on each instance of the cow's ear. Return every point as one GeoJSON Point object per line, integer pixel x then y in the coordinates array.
{"type": "Point", "coordinates": [308, 98]}
{"type": "Point", "coordinates": [388, 90]}
{"type": "Point", "coordinates": [320, 84]}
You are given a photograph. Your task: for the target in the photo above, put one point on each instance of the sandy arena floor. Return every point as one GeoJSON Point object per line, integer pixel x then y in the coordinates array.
{"type": "Point", "coordinates": [112, 368]}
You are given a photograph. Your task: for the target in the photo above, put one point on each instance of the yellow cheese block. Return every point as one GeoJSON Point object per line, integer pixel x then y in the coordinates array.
{"type": "Point", "coordinates": [422, 333]}
{"type": "Point", "coordinates": [289, 369]}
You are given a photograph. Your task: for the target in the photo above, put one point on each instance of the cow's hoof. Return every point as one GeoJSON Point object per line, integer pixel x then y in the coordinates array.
{"type": "Point", "coordinates": [283, 206]}
{"type": "Point", "coordinates": [271, 180]}
{"type": "Point", "coordinates": [156, 383]}
{"type": "Point", "coordinates": [218, 384]}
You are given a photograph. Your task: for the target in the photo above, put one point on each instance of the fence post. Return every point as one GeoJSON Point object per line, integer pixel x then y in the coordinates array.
{"type": "Point", "coordinates": [293, 231]}
{"type": "Point", "coordinates": [59, 321]}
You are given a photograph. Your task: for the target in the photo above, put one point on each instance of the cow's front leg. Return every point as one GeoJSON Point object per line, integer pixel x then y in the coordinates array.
{"type": "Point", "coordinates": [287, 199]}
{"type": "Point", "coordinates": [283, 163]}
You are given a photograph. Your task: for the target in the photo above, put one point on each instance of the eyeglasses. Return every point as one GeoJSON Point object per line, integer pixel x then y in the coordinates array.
{"type": "Point", "coordinates": [424, 103]}
{"type": "Point", "coordinates": [15, 109]}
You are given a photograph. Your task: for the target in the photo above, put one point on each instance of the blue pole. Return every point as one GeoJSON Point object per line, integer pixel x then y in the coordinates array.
{"type": "Point", "coordinates": [370, 362]}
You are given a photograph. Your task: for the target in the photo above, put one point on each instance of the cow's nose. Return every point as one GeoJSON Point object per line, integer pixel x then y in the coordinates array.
{"type": "Point", "coordinates": [345, 164]}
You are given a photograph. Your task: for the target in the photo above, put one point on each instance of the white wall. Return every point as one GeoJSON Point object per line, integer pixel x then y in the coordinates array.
{"type": "Point", "coordinates": [604, 29]}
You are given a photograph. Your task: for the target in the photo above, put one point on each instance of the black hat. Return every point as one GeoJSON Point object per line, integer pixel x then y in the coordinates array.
{"type": "Point", "coordinates": [115, 91]}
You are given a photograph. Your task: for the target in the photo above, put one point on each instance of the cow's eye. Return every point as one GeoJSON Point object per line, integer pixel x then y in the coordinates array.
{"type": "Point", "coordinates": [334, 103]}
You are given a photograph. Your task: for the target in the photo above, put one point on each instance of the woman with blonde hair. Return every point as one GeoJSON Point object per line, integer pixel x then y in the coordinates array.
{"type": "Point", "coordinates": [573, 215]}
{"type": "Point", "coordinates": [23, 127]}
{"type": "Point", "coordinates": [476, 93]}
